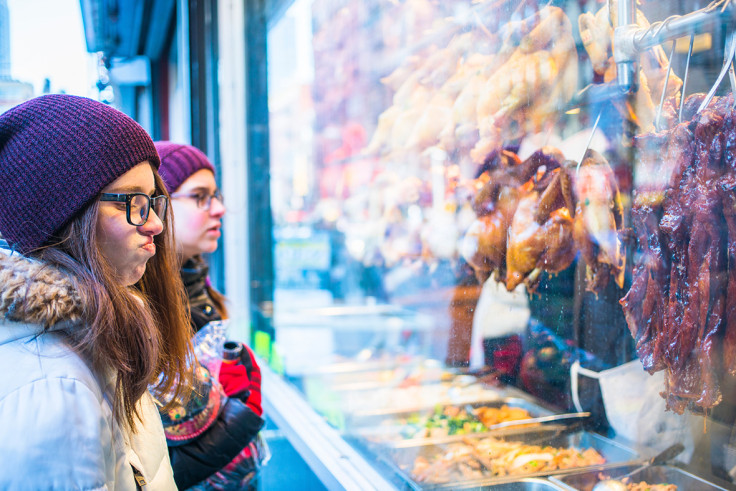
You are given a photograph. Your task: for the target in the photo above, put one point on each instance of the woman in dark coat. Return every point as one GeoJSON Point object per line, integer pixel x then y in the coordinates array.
{"type": "Point", "coordinates": [227, 454]}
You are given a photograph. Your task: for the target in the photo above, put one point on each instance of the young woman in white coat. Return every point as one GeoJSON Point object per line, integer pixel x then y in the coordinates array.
{"type": "Point", "coordinates": [92, 309]}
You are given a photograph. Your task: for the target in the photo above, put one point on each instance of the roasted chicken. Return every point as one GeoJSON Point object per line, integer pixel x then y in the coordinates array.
{"type": "Point", "coordinates": [598, 222]}
{"type": "Point", "coordinates": [534, 216]}
{"type": "Point", "coordinates": [480, 89]}
{"type": "Point", "coordinates": [568, 209]}
{"type": "Point", "coordinates": [485, 242]}
{"type": "Point", "coordinates": [544, 61]}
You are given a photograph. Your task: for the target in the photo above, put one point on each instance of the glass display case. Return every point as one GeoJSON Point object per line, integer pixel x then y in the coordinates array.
{"type": "Point", "coordinates": [503, 240]}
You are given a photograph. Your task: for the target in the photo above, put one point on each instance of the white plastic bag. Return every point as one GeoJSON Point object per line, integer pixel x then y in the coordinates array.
{"type": "Point", "coordinates": [209, 346]}
{"type": "Point", "coordinates": [634, 408]}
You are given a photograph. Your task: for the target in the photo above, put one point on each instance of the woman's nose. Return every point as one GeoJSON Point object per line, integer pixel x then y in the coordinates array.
{"type": "Point", "coordinates": [217, 207]}
{"type": "Point", "coordinates": [154, 225]}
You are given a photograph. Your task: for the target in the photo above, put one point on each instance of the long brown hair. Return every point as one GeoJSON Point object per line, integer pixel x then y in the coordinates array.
{"type": "Point", "coordinates": [219, 300]}
{"type": "Point", "coordinates": [142, 332]}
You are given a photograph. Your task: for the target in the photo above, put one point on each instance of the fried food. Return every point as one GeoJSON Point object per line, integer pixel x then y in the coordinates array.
{"type": "Point", "coordinates": [492, 457]}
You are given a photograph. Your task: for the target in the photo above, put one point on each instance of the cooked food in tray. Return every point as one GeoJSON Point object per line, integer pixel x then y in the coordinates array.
{"type": "Point", "coordinates": [490, 416]}
{"type": "Point", "coordinates": [457, 420]}
{"type": "Point", "coordinates": [645, 486]}
{"type": "Point", "coordinates": [625, 484]}
{"type": "Point", "coordinates": [488, 457]}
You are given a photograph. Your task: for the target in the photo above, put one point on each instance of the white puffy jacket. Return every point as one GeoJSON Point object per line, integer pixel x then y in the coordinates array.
{"type": "Point", "coordinates": [56, 424]}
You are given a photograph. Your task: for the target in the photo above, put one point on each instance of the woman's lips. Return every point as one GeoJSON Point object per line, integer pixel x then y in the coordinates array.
{"type": "Point", "coordinates": [150, 247]}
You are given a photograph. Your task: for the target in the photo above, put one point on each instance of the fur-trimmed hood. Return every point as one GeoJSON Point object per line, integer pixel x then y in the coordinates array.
{"type": "Point", "coordinates": [54, 396]}
{"type": "Point", "coordinates": [36, 293]}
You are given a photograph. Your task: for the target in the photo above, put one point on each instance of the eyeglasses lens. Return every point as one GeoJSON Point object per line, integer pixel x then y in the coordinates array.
{"type": "Point", "coordinates": [204, 201]}
{"type": "Point", "coordinates": [139, 206]}
{"type": "Point", "coordinates": [216, 195]}
{"type": "Point", "coordinates": [159, 206]}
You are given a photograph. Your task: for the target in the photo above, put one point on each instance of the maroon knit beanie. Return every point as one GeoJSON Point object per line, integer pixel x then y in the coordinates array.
{"type": "Point", "coordinates": [57, 153]}
{"type": "Point", "coordinates": [179, 161]}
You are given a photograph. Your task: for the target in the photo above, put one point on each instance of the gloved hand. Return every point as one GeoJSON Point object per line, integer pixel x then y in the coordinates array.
{"type": "Point", "coordinates": [233, 378]}
{"type": "Point", "coordinates": [242, 379]}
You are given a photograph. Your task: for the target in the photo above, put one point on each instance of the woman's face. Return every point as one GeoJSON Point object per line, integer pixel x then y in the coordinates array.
{"type": "Point", "coordinates": [128, 248]}
{"type": "Point", "coordinates": [197, 230]}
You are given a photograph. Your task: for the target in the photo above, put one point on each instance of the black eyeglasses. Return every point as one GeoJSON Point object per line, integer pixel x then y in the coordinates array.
{"type": "Point", "coordinates": [138, 206]}
{"type": "Point", "coordinates": [203, 201]}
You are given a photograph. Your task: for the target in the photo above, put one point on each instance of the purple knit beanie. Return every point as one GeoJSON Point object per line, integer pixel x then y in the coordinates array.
{"type": "Point", "coordinates": [179, 161]}
{"type": "Point", "coordinates": [57, 153]}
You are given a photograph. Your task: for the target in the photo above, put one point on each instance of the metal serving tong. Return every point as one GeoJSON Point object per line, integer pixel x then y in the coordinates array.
{"type": "Point", "coordinates": [541, 419]}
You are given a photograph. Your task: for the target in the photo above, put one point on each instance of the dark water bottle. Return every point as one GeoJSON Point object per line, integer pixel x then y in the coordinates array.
{"type": "Point", "coordinates": [232, 351]}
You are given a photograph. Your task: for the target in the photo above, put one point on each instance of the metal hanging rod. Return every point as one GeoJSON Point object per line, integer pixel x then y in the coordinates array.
{"type": "Point", "coordinates": [630, 39]}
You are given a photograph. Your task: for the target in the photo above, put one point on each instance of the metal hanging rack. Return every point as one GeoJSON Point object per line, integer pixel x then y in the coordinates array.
{"type": "Point", "coordinates": [630, 39]}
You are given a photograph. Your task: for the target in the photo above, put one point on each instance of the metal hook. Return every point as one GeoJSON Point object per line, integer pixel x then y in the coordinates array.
{"type": "Point", "coordinates": [664, 87]}
{"type": "Point", "coordinates": [730, 52]}
{"type": "Point", "coordinates": [590, 140]}
{"type": "Point", "coordinates": [684, 78]}
{"type": "Point", "coordinates": [725, 4]}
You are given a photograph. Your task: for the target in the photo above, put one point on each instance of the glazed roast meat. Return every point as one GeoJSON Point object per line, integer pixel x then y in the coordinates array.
{"type": "Point", "coordinates": [645, 304]}
{"type": "Point", "coordinates": [727, 189]}
{"type": "Point", "coordinates": [681, 307]}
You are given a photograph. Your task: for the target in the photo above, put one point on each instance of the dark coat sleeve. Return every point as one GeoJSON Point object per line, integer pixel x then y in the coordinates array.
{"type": "Point", "coordinates": [234, 428]}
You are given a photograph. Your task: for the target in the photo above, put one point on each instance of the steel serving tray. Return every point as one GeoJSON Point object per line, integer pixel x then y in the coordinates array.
{"type": "Point", "coordinates": [393, 427]}
{"type": "Point", "coordinates": [356, 379]}
{"type": "Point", "coordinates": [402, 457]}
{"type": "Point", "coordinates": [386, 372]}
{"type": "Point", "coordinates": [351, 367]}
{"type": "Point", "coordinates": [658, 474]}
{"type": "Point", "coordinates": [400, 376]}
{"type": "Point", "coordinates": [387, 400]}
{"type": "Point", "coordinates": [464, 389]}
{"type": "Point", "coordinates": [527, 484]}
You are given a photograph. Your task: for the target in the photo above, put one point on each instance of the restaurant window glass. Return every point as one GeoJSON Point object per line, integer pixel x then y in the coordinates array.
{"type": "Point", "coordinates": [499, 209]}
